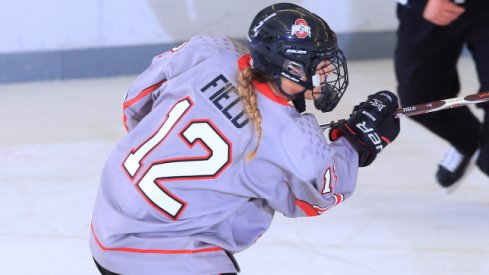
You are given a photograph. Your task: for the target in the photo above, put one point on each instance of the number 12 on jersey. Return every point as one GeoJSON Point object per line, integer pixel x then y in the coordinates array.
{"type": "Point", "coordinates": [197, 131]}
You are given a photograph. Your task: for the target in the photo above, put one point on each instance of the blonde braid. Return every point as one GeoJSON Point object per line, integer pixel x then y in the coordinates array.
{"type": "Point", "coordinates": [246, 91]}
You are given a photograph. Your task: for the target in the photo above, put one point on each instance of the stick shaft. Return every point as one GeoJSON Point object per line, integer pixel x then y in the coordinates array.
{"type": "Point", "coordinates": [442, 105]}
{"type": "Point", "coordinates": [433, 106]}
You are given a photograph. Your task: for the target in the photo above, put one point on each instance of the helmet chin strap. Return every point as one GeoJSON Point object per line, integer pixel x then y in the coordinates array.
{"type": "Point", "coordinates": [297, 99]}
{"type": "Point", "coordinates": [299, 95]}
{"type": "Point", "coordinates": [323, 102]}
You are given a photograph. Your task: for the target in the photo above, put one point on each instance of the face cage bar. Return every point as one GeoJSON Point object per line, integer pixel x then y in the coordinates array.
{"type": "Point", "coordinates": [337, 78]}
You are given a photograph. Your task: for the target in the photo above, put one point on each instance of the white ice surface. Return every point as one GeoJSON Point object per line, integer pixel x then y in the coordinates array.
{"type": "Point", "coordinates": [56, 136]}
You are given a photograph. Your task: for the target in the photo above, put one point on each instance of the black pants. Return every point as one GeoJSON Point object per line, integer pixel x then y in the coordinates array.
{"type": "Point", "coordinates": [425, 62]}
{"type": "Point", "coordinates": [104, 271]}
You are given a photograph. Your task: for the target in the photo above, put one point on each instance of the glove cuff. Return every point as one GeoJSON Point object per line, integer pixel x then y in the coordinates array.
{"type": "Point", "coordinates": [335, 133]}
{"type": "Point", "coordinates": [365, 156]}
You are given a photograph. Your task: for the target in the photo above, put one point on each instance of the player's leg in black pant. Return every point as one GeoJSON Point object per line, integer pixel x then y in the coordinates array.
{"type": "Point", "coordinates": [104, 271]}
{"type": "Point", "coordinates": [478, 44]}
{"type": "Point", "coordinates": [425, 64]}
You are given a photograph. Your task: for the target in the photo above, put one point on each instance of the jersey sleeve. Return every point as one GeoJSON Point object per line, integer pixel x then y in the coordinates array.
{"type": "Point", "coordinates": [319, 175]}
{"type": "Point", "coordinates": [334, 181]}
{"type": "Point", "coordinates": [145, 90]}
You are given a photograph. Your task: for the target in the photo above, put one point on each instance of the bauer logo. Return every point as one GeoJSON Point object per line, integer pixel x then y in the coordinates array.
{"type": "Point", "coordinates": [294, 51]}
{"type": "Point", "coordinates": [377, 103]}
{"type": "Point", "coordinates": [288, 76]}
{"type": "Point", "coordinates": [301, 29]}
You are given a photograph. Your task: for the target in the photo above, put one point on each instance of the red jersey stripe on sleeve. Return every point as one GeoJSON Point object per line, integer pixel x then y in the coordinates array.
{"type": "Point", "coordinates": [312, 210]}
{"type": "Point", "coordinates": [153, 251]}
{"type": "Point", "coordinates": [141, 95]}
{"type": "Point", "coordinates": [306, 207]}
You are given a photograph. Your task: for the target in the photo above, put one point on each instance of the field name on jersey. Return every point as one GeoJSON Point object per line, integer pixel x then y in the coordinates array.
{"type": "Point", "coordinates": [224, 96]}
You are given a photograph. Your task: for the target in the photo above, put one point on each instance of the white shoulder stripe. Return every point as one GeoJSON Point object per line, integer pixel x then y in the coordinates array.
{"type": "Point", "coordinates": [256, 29]}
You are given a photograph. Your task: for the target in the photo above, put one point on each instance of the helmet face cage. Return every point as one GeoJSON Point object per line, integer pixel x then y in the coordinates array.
{"type": "Point", "coordinates": [281, 47]}
{"type": "Point", "coordinates": [334, 85]}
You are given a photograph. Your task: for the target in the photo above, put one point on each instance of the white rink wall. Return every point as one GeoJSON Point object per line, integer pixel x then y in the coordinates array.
{"type": "Point", "coordinates": [50, 25]}
{"type": "Point", "coordinates": [58, 40]}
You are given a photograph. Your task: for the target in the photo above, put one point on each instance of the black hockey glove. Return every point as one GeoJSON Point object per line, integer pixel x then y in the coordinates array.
{"type": "Point", "coordinates": [371, 126]}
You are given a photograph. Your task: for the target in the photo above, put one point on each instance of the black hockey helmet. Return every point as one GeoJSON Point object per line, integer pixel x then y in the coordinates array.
{"type": "Point", "coordinates": [290, 41]}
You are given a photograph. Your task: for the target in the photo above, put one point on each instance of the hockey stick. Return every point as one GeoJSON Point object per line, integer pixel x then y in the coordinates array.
{"type": "Point", "coordinates": [429, 107]}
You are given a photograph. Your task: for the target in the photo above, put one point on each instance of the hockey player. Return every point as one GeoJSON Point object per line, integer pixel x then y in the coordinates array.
{"type": "Point", "coordinates": [431, 37]}
{"type": "Point", "coordinates": [214, 148]}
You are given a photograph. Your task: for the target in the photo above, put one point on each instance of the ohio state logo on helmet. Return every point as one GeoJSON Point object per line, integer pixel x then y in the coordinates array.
{"type": "Point", "coordinates": [301, 29]}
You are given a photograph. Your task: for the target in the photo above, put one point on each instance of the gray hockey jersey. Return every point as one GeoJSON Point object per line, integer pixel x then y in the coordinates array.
{"type": "Point", "coordinates": [177, 194]}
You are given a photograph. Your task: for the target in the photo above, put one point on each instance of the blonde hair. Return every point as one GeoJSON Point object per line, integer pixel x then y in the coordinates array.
{"type": "Point", "coordinates": [246, 91]}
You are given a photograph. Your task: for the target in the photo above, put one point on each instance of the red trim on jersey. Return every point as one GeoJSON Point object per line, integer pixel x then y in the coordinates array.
{"type": "Point", "coordinates": [335, 175]}
{"type": "Point", "coordinates": [243, 63]}
{"type": "Point", "coordinates": [267, 91]}
{"type": "Point", "coordinates": [153, 251]}
{"type": "Point", "coordinates": [135, 149]}
{"type": "Point", "coordinates": [312, 210]}
{"type": "Point", "coordinates": [339, 199]}
{"type": "Point", "coordinates": [306, 207]}
{"type": "Point", "coordinates": [199, 141]}
{"type": "Point", "coordinates": [327, 182]}
{"type": "Point", "coordinates": [159, 181]}
{"type": "Point", "coordinates": [142, 94]}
